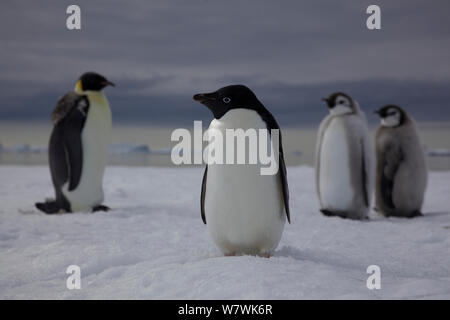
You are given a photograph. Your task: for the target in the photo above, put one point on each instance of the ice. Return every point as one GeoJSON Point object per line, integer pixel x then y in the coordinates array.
{"type": "Point", "coordinates": [115, 149]}
{"type": "Point", "coordinates": [23, 148]}
{"type": "Point", "coordinates": [438, 153]}
{"type": "Point", "coordinates": [127, 148]}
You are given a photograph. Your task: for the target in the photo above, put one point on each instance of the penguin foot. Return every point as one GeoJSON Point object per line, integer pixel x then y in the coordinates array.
{"type": "Point", "coordinates": [100, 208]}
{"type": "Point", "coordinates": [414, 214]}
{"type": "Point", "coordinates": [264, 255]}
{"type": "Point", "coordinates": [327, 213]}
{"type": "Point", "coordinates": [48, 207]}
{"type": "Point", "coordinates": [330, 213]}
{"type": "Point", "coordinates": [230, 254]}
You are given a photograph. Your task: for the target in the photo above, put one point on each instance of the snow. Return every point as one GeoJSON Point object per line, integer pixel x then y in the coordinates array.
{"type": "Point", "coordinates": [153, 244]}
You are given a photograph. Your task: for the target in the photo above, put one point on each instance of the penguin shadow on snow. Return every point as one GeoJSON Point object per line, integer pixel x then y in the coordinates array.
{"type": "Point", "coordinates": [431, 215]}
{"type": "Point", "coordinates": [32, 211]}
{"type": "Point", "coordinates": [434, 214]}
{"type": "Point", "coordinates": [344, 216]}
{"type": "Point", "coordinates": [377, 216]}
{"type": "Point", "coordinates": [27, 211]}
{"type": "Point", "coordinates": [289, 252]}
{"type": "Point", "coordinates": [147, 210]}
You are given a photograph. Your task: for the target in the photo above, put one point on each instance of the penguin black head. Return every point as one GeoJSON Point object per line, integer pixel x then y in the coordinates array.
{"type": "Point", "coordinates": [91, 81]}
{"type": "Point", "coordinates": [340, 103]}
{"type": "Point", "coordinates": [227, 98]}
{"type": "Point", "coordinates": [391, 115]}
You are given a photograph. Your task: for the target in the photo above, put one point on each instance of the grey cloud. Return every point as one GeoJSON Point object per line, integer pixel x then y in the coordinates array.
{"type": "Point", "coordinates": [292, 105]}
{"type": "Point", "coordinates": [160, 52]}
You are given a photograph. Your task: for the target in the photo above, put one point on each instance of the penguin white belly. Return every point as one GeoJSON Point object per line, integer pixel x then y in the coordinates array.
{"type": "Point", "coordinates": [95, 139]}
{"type": "Point", "coordinates": [336, 191]}
{"type": "Point", "coordinates": [244, 209]}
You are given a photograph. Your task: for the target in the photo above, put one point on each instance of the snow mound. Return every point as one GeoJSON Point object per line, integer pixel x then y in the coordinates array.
{"type": "Point", "coordinates": [153, 244]}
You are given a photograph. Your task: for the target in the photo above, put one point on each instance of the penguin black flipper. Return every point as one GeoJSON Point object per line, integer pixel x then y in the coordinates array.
{"type": "Point", "coordinates": [202, 198]}
{"type": "Point", "coordinates": [59, 168]}
{"type": "Point", "coordinates": [69, 117]}
{"type": "Point", "coordinates": [392, 159]}
{"type": "Point", "coordinates": [74, 149]}
{"type": "Point", "coordinates": [65, 148]}
{"type": "Point", "coordinates": [272, 124]}
{"type": "Point", "coordinates": [364, 175]}
{"type": "Point", "coordinates": [284, 183]}
{"type": "Point", "coordinates": [386, 192]}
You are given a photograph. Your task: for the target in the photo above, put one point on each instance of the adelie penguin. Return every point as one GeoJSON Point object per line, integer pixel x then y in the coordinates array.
{"type": "Point", "coordinates": [78, 148]}
{"type": "Point", "coordinates": [244, 211]}
{"type": "Point", "coordinates": [344, 160]}
{"type": "Point", "coordinates": [401, 173]}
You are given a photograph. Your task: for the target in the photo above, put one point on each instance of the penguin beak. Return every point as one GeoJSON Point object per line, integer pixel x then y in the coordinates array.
{"type": "Point", "coordinates": [108, 83]}
{"type": "Point", "coordinates": [377, 112]}
{"type": "Point", "coordinates": [327, 101]}
{"type": "Point", "coordinates": [204, 97]}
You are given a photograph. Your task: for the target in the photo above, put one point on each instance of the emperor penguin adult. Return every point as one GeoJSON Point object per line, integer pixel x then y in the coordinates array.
{"type": "Point", "coordinates": [344, 160]}
{"type": "Point", "coordinates": [244, 210]}
{"type": "Point", "coordinates": [78, 147]}
{"type": "Point", "coordinates": [401, 173]}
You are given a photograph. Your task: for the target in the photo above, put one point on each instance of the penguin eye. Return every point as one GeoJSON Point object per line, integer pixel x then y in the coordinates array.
{"type": "Point", "coordinates": [226, 100]}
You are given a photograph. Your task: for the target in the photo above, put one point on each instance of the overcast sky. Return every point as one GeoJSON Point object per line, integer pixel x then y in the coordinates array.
{"type": "Point", "coordinates": [291, 53]}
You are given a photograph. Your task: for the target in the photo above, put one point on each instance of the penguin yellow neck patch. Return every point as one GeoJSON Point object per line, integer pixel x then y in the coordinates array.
{"type": "Point", "coordinates": [78, 86]}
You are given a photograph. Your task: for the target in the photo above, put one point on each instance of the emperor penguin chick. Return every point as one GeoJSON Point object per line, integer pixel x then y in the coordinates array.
{"type": "Point", "coordinates": [401, 173]}
{"type": "Point", "coordinates": [344, 160]}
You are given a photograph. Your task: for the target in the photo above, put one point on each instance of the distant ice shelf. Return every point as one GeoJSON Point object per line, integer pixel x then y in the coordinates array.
{"type": "Point", "coordinates": [23, 148]}
{"type": "Point", "coordinates": [438, 153]}
{"type": "Point", "coordinates": [130, 148]}
{"type": "Point", "coordinates": [115, 149]}
{"type": "Point", "coordinates": [133, 149]}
